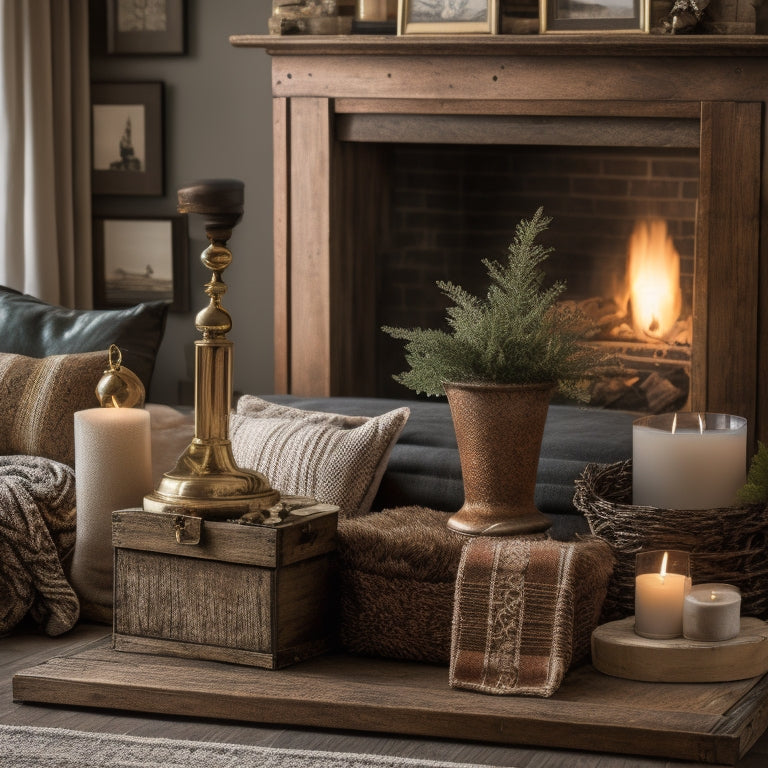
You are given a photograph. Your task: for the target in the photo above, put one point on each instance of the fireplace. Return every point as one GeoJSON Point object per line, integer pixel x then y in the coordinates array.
{"type": "Point", "coordinates": [341, 104]}
{"type": "Point", "coordinates": [614, 210]}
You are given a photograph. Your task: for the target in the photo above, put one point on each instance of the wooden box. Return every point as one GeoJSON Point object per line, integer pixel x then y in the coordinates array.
{"type": "Point", "coordinates": [249, 594]}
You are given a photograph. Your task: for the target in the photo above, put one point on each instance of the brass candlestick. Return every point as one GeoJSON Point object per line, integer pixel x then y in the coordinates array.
{"type": "Point", "coordinates": [206, 482]}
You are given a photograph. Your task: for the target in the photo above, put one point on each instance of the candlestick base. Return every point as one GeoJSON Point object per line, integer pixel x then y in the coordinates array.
{"type": "Point", "coordinates": [618, 651]}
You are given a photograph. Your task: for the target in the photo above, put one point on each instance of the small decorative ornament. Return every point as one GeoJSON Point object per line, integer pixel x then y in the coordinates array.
{"type": "Point", "coordinates": [685, 17]}
{"type": "Point", "coordinates": [119, 387]}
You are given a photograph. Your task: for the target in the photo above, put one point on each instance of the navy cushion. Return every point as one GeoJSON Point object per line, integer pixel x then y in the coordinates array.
{"type": "Point", "coordinates": [34, 328]}
{"type": "Point", "coordinates": [424, 468]}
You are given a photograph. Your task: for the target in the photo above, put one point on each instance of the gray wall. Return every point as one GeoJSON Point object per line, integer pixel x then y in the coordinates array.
{"type": "Point", "coordinates": [218, 124]}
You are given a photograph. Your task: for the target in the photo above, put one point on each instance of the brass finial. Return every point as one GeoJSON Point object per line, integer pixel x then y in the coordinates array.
{"type": "Point", "coordinates": [119, 387]}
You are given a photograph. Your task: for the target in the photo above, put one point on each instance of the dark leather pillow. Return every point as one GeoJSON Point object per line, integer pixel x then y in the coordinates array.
{"type": "Point", "coordinates": [34, 328]}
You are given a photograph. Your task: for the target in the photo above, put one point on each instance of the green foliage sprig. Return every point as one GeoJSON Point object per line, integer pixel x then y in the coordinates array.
{"type": "Point", "coordinates": [517, 334]}
{"type": "Point", "coordinates": [755, 490]}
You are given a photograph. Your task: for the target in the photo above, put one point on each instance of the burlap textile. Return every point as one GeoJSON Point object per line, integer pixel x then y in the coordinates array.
{"type": "Point", "coordinates": [37, 528]}
{"type": "Point", "coordinates": [524, 612]}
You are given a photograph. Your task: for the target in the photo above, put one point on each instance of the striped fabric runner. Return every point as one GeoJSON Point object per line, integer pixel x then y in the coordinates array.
{"type": "Point", "coordinates": [513, 624]}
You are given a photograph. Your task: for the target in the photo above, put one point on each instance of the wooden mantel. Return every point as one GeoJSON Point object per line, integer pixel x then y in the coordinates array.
{"type": "Point", "coordinates": [509, 45]}
{"type": "Point", "coordinates": [337, 98]}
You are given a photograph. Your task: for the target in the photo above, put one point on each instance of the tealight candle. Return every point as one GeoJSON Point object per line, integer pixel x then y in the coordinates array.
{"type": "Point", "coordinates": [712, 612]}
{"type": "Point", "coordinates": [661, 584]}
{"type": "Point", "coordinates": [688, 460]}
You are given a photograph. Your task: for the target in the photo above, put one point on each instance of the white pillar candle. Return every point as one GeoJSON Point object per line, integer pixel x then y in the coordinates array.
{"type": "Point", "coordinates": [688, 460]}
{"type": "Point", "coordinates": [659, 598]}
{"type": "Point", "coordinates": [113, 470]}
{"type": "Point", "coordinates": [712, 612]}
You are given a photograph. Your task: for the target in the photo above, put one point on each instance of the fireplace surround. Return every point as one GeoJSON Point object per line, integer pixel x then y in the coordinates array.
{"type": "Point", "coordinates": [336, 100]}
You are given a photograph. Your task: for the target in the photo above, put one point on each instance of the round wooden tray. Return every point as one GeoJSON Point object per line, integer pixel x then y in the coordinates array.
{"type": "Point", "coordinates": [618, 651]}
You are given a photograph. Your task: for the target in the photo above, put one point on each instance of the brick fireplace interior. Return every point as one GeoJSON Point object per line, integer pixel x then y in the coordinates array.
{"type": "Point", "coordinates": [449, 206]}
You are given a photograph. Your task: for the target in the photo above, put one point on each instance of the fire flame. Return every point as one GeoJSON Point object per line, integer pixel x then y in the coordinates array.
{"type": "Point", "coordinates": [653, 276]}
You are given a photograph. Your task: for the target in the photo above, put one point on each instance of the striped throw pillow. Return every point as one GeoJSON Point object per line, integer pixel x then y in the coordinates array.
{"type": "Point", "coordinates": [333, 458]}
{"type": "Point", "coordinates": [38, 400]}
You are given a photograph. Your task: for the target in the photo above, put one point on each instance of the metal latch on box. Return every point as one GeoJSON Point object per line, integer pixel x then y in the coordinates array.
{"type": "Point", "coordinates": [188, 529]}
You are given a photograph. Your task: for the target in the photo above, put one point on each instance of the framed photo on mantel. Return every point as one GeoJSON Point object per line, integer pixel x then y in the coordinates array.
{"type": "Point", "coordinates": [145, 27]}
{"type": "Point", "coordinates": [127, 126]}
{"type": "Point", "coordinates": [579, 16]}
{"type": "Point", "coordinates": [448, 17]}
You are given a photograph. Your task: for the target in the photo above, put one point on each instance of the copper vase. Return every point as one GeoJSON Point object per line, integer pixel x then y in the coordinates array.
{"type": "Point", "coordinates": [499, 429]}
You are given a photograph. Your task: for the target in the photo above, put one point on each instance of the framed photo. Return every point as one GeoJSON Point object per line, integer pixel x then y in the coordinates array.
{"type": "Point", "coordinates": [140, 259]}
{"type": "Point", "coordinates": [139, 27]}
{"type": "Point", "coordinates": [127, 129]}
{"type": "Point", "coordinates": [601, 16]}
{"type": "Point", "coordinates": [447, 17]}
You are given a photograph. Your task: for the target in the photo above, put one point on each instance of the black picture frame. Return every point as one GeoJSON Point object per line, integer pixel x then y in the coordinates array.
{"type": "Point", "coordinates": [607, 16]}
{"type": "Point", "coordinates": [146, 29]}
{"type": "Point", "coordinates": [140, 258]}
{"type": "Point", "coordinates": [127, 138]}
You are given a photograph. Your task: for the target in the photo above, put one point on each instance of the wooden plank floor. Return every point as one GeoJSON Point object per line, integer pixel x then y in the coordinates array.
{"type": "Point", "coordinates": [26, 649]}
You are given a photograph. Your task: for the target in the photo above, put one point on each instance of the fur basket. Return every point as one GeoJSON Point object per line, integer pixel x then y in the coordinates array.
{"type": "Point", "coordinates": [397, 578]}
{"type": "Point", "coordinates": [728, 544]}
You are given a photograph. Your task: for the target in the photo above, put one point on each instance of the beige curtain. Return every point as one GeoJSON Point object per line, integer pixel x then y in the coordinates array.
{"type": "Point", "coordinates": [45, 205]}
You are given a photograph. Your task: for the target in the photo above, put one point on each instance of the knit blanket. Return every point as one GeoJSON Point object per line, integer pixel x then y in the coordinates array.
{"type": "Point", "coordinates": [37, 529]}
{"type": "Point", "coordinates": [524, 611]}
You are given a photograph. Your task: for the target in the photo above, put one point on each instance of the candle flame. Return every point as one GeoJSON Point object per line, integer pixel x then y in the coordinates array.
{"type": "Point", "coordinates": [663, 571]}
{"type": "Point", "coordinates": [712, 595]}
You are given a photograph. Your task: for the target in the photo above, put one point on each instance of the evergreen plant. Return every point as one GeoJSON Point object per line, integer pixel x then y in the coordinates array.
{"type": "Point", "coordinates": [755, 490]}
{"type": "Point", "coordinates": [519, 333]}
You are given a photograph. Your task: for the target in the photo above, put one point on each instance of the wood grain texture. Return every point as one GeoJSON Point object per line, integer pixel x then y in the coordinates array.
{"type": "Point", "coordinates": [617, 650]}
{"type": "Point", "coordinates": [310, 215]}
{"type": "Point", "coordinates": [26, 648]}
{"type": "Point", "coordinates": [418, 76]}
{"type": "Point", "coordinates": [512, 45]}
{"type": "Point", "coordinates": [465, 106]}
{"type": "Point", "coordinates": [521, 130]}
{"type": "Point", "coordinates": [256, 595]}
{"type": "Point", "coordinates": [590, 711]}
{"type": "Point", "coordinates": [153, 532]}
{"type": "Point", "coordinates": [281, 163]}
{"type": "Point", "coordinates": [295, 539]}
{"type": "Point", "coordinates": [193, 601]}
{"type": "Point", "coordinates": [729, 230]}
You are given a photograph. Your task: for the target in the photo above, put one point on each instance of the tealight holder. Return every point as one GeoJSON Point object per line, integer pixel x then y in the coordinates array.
{"type": "Point", "coordinates": [662, 580]}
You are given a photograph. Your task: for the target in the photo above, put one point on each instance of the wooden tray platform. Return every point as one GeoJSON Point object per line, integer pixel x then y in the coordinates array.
{"type": "Point", "coordinates": [706, 722]}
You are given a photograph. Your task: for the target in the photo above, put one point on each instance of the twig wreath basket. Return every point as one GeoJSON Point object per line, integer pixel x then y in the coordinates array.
{"type": "Point", "coordinates": [727, 544]}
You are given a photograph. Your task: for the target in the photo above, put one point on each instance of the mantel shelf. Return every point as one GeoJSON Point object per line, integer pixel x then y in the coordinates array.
{"type": "Point", "coordinates": [508, 45]}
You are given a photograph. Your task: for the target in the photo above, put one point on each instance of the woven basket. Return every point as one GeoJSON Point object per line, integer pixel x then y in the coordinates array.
{"type": "Point", "coordinates": [727, 544]}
